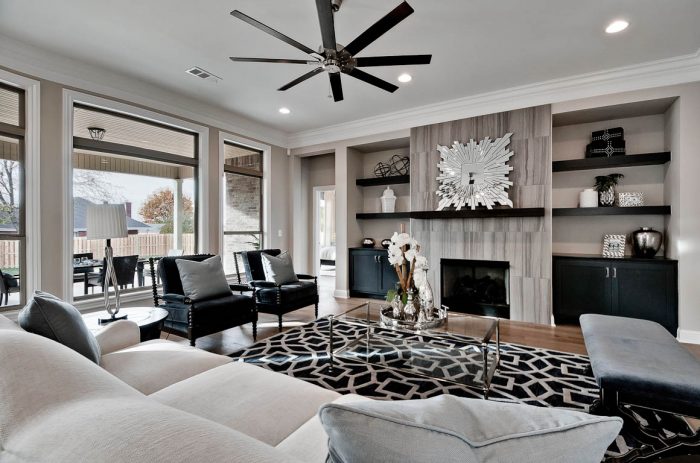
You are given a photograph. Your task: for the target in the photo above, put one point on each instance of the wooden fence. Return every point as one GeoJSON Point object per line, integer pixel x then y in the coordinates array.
{"type": "Point", "coordinates": [145, 245]}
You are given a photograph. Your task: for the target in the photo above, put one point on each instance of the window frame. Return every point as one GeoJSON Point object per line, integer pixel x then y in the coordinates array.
{"type": "Point", "coordinates": [265, 209]}
{"type": "Point", "coordinates": [72, 98]}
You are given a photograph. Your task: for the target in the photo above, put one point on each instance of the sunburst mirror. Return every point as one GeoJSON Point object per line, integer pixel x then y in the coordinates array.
{"type": "Point", "coordinates": [475, 174]}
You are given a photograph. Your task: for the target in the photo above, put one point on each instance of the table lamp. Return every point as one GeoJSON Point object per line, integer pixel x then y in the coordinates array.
{"type": "Point", "coordinates": [104, 222]}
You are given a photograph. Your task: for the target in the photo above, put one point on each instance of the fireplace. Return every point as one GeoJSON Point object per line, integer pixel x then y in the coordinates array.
{"type": "Point", "coordinates": [479, 287]}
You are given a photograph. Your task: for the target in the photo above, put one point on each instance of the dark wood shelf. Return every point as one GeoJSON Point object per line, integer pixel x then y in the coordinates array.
{"type": "Point", "coordinates": [588, 211]}
{"type": "Point", "coordinates": [480, 213]}
{"type": "Point", "coordinates": [629, 160]}
{"type": "Point", "coordinates": [383, 215]}
{"type": "Point", "coordinates": [626, 258]}
{"type": "Point", "coordinates": [392, 180]}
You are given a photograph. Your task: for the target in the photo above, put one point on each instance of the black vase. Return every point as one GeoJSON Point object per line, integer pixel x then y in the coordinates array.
{"type": "Point", "coordinates": [646, 242]}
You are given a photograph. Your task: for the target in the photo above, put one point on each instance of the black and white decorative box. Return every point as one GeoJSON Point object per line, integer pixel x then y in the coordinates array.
{"type": "Point", "coordinates": [616, 133]}
{"type": "Point", "coordinates": [602, 148]}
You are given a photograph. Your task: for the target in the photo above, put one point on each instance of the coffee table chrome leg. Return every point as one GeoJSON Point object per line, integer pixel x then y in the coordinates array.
{"type": "Point", "coordinates": [485, 354]}
{"type": "Point", "coordinates": [498, 345]}
{"type": "Point", "coordinates": [331, 319]}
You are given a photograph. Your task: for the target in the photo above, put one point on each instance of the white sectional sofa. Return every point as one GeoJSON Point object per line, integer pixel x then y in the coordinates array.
{"type": "Point", "coordinates": [153, 402]}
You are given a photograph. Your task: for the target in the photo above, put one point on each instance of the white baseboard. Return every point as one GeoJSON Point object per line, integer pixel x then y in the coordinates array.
{"type": "Point", "coordinates": [689, 336]}
{"type": "Point", "coordinates": [341, 294]}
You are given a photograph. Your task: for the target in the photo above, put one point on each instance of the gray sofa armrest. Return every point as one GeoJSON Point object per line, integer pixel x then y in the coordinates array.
{"type": "Point", "coordinates": [117, 336]}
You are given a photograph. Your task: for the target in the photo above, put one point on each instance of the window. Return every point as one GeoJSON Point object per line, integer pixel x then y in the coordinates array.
{"type": "Point", "coordinates": [243, 200]}
{"type": "Point", "coordinates": [149, 167]}
{"type": "Point", "coordinates": [12, 226]}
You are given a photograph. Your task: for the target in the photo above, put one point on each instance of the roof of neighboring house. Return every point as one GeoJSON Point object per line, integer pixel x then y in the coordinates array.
{"type": "Point", "coordinates": [80, 206]}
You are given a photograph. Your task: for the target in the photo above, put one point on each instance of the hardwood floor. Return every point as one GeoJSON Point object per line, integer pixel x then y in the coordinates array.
{"type": "Point", "coordinates": [563, 338]}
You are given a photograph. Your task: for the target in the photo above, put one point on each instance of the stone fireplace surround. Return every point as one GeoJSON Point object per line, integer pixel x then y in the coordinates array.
{"type": "Point", "coordinates": [523, 242]}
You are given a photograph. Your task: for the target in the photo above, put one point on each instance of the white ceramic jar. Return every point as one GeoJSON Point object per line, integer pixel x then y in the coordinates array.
{"type": "Point", "coordinates": [388, 200]}
{"type": "Point", "coordinates": [588, 198]}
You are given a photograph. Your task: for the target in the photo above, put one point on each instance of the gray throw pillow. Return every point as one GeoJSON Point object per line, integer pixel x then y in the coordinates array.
{"type": "Point", "coordinates": [49, 316]}
{"type": "Point", "coordinates": [279, 269]}
{"type": "Point", "coordinates": [203, 280]}
{"type": "Point", "coordinates": [450, 429]}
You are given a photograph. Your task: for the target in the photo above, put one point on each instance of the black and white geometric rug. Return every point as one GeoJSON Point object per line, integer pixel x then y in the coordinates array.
{"type": "Point", "coordinates": [526, 375]}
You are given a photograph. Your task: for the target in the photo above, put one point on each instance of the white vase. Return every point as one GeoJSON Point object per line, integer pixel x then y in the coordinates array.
{"type": "Point", "coordinates": [388, 200]}
{"type": "Point", "coordinates": [588, 198]}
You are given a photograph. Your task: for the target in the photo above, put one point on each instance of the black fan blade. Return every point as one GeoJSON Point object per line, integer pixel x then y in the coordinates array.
{"type": "Point", "coordinates": [377, 29]}
{"type": "Point", "coordinates": [393, 60]}
{"type": "Point", "coordinates": [325, 19]}
{"type": "Point", "coordinates": [301, 79]}
{"type": "Point", "coordinates": [270, 60]}
{"type": "Point", "coordinates": [336, 86]}
{"type": "Point", "coordinates": [272, 32]}
{"type": "Point", "coordinates": [370, 79]}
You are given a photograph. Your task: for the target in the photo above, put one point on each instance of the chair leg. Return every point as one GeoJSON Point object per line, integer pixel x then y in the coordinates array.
{"type": "Point", "coordinates": [255, 331]}
{"type": "Point", "coordinates": [316, 310]}
{"type": "Point", "coordinates": [280, 322]}
{"type": "Point", "coordinates": [192, 341]}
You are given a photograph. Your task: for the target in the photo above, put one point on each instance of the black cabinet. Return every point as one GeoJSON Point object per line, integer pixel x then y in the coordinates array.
{"type": "Point", "coordinates": [637, 288]}
{"type": "Point", "coordinates": [371, 275]}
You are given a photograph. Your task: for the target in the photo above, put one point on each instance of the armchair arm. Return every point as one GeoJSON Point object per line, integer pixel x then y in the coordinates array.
{"type": "Point", "coordinates": [176, 298]}
{"type": "Point", "coordinates": [118, 335]}
{"type": "Point", "coordinates": [304, 276]}
{"type": "Point", "coordinates": [241, 288]}
{"type": "Point", "coordinates": [263, 284]}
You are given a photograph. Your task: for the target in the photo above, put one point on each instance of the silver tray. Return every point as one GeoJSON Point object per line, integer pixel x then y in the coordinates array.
{"type": "Point", "coordinates": [387, 319]}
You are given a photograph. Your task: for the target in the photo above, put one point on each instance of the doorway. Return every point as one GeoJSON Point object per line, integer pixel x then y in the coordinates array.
{"type": "Point", "coordinates": [324, 235]}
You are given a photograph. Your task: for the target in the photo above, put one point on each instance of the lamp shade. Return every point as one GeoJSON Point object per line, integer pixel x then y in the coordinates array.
{"type": "Point", "coordinates": [106, 221]}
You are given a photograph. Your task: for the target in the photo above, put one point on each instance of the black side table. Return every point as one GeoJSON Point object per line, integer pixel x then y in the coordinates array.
{"type": "Point", "coordinates": [149, 319]}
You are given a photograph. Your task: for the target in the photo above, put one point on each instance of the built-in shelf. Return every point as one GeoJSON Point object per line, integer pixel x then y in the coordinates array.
{"type": "Point", "coordinates": [588, 211]}
{"type": "Point", "coordinates": [598, 256]}
{"type": "Point", "coordinates": [463, 214]}
{"type": "Point", "coordinates": [383, 215]}
{"type": "Point", "coordinates": [480, 213]}
{"type": "Point", "coordinates": [392, 180]}
{"type": "Point", "coordinates": [630, 160]}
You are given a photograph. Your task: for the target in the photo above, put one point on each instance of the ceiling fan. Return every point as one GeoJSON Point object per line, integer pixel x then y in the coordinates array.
{"type": "Point", "coordinates": [334, 58]}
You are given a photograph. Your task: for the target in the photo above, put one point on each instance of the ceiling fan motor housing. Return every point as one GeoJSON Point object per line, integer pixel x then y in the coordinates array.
{"type": "Point", "coordinates": [335, 4]}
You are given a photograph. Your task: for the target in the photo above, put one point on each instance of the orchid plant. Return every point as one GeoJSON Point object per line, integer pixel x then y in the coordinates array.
{"type": "Point", "coordinates": [405, 256]}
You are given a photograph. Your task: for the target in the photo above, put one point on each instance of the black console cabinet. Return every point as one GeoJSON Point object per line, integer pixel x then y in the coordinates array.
{"type": "Point", "coordinates": [637, 288]}
{"type": "Point", "coordinates": [371, 275]}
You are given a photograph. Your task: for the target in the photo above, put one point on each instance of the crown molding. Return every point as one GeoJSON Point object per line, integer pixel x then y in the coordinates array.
{"type": "Point", "coordinates": [41, 64]}
{"type": "Point", "coordinates": [665, 72]}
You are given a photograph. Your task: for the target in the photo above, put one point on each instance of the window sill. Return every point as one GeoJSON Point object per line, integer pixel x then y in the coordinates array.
{"type": "Point", "coordinates": [97, 303]}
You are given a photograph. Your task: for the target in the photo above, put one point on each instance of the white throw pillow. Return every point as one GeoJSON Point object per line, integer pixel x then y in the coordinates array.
{"type": "Point", "coordinates": [202, 280]}
{"type": "Point", "coordinates": [450, 429]}
{"type": "Point", "coordinates": [279, 269]}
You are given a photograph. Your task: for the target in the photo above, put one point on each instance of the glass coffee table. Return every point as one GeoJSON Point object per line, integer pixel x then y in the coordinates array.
{"type": "Point", "coordinates": [465, 350]}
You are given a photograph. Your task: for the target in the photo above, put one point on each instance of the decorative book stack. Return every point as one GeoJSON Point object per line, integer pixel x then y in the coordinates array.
{"type": "Point", "coordinates": [606, 143]}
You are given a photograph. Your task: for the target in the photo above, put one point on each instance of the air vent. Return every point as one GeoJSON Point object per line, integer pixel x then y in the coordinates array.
{"type": "Point", "coordinates": [204, 74]}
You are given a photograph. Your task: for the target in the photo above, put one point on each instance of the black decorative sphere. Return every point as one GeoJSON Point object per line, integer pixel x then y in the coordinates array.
{"type": "Point", "coordinates": [382, 169]}
{"type": "Point", "coordinates": [399, 165]}
{"type": "Point", "coordinates": [386, 243]}
{"type": "Point", "coordinates": [368, 243]}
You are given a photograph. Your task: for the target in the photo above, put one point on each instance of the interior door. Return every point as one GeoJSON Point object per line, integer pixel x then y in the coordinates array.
{"type": "Point", "coordinates": [581, 286]}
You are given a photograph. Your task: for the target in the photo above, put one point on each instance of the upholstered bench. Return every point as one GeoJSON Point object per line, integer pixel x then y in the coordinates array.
{"type": "Point", "coordinates": [638, 362]}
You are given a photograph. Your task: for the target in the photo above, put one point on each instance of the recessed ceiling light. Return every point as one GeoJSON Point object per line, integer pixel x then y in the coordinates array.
{"type": "Point", "coordinates": [617, 26]}
{"type": "Point", "coordinates": [284, 111]}
{"type": "Point", "coordinates": [405, 78]}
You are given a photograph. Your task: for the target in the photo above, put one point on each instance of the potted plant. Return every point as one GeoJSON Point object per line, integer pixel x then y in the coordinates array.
{"type": "Point", "coordinates": [605, 186]}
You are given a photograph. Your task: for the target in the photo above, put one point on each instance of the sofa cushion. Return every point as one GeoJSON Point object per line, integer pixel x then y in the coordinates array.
{"type": "Point", "coordinates": [203, 280]}
{"type": "Point", "coordinates": [153, 365]}
{"type": "Point", "coordinates": [48, 316]}
{"type": "Point", "coordinates": [66, 409]}
{"type": "Point", "coordinates": [291, 292]}
{"type": "Point", "coordinates": [451, 429]}
{"type": "Point", "coordinates": [309, 443]}
{"type": "Point", "coordinates": [279, 269]}
{"type": "Point", "coordinates": [170, 275]}
{"type": "Point", "coordinates": [252, 262]}
{"type": "Point", "coordinates": [260, 403]}
{"type": "Point", "coordinates": [7, 324]}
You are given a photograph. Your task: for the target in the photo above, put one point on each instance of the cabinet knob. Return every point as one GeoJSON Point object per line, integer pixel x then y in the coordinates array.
{"type": "Point", "coordinates": [607, 272]}
{"type": "Point", "coordinates": [614, 272]}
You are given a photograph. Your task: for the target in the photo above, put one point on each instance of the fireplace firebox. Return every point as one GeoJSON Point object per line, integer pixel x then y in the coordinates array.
{"type": "Point", "coordinates": [479, 287]}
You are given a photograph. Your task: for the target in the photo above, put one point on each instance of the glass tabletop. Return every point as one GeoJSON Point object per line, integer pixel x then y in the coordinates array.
{"type": "Point", "coordinates": [465, 350]}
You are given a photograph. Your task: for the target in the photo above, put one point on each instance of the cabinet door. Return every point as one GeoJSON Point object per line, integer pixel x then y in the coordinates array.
{"type": "Point", "coordinates": [646, 290]}
{"type": "Point", "coordinates": [581, 286]}
{"type": "Point", "coordinates": [389, 276]}
{"type": "Point", "coordinates": [365, 271]}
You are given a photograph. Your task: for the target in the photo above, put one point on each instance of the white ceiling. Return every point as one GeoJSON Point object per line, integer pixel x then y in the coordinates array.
{"type": "Point", "coordinates": [477, 46]}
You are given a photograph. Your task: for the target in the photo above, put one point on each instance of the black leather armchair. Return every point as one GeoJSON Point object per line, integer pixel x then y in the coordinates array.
{"type": "Point", "coordinates": [194, 319]}
{"type": "Point", "coordinates": [276, 299]}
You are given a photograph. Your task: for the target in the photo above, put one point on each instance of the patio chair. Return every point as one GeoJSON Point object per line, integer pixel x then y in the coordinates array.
{"type": "Point", "coordinates": [124, 267]}
{"type": "Point", "coordinates": [8, 284]}
{"type": "Point", "coordinates": [80, 274]}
